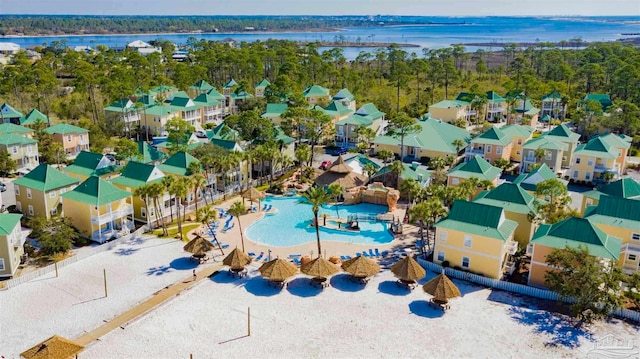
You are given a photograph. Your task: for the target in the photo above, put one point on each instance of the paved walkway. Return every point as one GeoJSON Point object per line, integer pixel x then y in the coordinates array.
{"type": "Point", "coordinates": [154, 301]}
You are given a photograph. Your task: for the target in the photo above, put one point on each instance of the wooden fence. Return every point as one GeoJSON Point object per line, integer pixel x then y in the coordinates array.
{"type": "Point", "coordinates": [515, 288]}
{"type": "Point", "coordinates": [65, 262]}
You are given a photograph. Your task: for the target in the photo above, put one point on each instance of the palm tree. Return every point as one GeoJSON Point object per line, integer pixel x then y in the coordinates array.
{"type": "Point", "coordinates": [458, 143]}
{"type": "Point", "coordinates": [396, 167]}
{"type": "Point", "coordinates": [179, 190]}
{"type": "Point", "coordinates": [167, 182]}
{"type": "Point", "coordinates": [157, 190]}
{"type": "Point", "coordinates": [237, 209]}
{"type": "Point", "coordinates": [369, 169]}
{"type": "Point", "coordinates": [335, 190]}
{"type": "Point", "coordinates": [540, 153]}
{"type": "Point", "coordinates": [143, 193]}
{"type": "Point", "coordinates": [316, 197]}
{"type": "Point", "coordinates": [411, 188]}
{"type": "Point", "coordinates": [303, 153]}
{"type": "Point", "coordinates": [206, 215]}
{"type": "Point", "coordinates": [428, 214]}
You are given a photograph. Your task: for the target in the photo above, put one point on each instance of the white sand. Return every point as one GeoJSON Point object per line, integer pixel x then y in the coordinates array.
{"type": "Point", "coordinates": [346, 321]}
{"type": "Point", "coordinates": [74, 302]}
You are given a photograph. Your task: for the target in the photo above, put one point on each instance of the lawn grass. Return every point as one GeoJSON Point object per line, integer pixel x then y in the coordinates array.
{"type": "Point", "coordinates": [173, 230]}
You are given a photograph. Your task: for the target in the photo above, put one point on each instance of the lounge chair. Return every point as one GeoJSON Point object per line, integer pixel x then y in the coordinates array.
{"type": "Point", "coordinates": [292, 256]}
{"type": "Point", "coordinates": [251, 254]}
{"type": "Point", "coordinates": [365, 254]}
{"type": "Point", "coordinates": [385, 253]}
{"type": "Point", "coordinates": [264, 207]}
{"type": "Point", "coordinates": [371, 254]}
{"type": "Point", "coordinates": [224, 246]}
{"type": "Point", "coordinates": [348, 257]}
{"type": "Point", "coordinates": [378, 254]}
{"type": "Point", "coordinates": [358, 254]}
{"type": "Point", "coordinates": [297, 261]}
{"type": "Point", "coordinates": [344, 258]}
{"type": "Point", "coordinates": [260, 256]}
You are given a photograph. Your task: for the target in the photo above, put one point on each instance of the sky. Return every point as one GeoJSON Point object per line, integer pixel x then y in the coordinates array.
{"type": "Point", "coordinates": [324, 7]}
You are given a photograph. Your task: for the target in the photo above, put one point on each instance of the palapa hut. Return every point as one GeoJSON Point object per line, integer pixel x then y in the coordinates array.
{"type": "Point", "coordinates": [361, 268]}
{"type": "Point", "coordinates": [342, 174]}
{"type": "Point", "coordinates": [55, 347]}
{"type": "Point", "coordinates": [320, 269]}
{"type": "Point", "coordinates": [199, 247]}
{"type": "Point", "coordinates": [236, 260]}
{"type": "Point", "coordinates": [408, 271]}
{"type": "Point", "coordinates": [442, 289]}
{"type": "Point", "coordinates": [278, 271]}
{"type": "Point", "coordinates": [253, 194]}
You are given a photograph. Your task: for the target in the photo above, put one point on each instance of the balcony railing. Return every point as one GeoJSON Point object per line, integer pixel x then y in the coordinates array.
{"type": "Point", "coordinates": [509, 267]}
{"type": "Point", "coordinates": [629, 247]}
{"type": "Point", "coordinates": [474, 151]}
{"type": "Point", "coordinates": [111, 216]}
{"type": "Point", "coordinates": [529, 159]}
{"type": "Point", "coordinates": [512, 247]}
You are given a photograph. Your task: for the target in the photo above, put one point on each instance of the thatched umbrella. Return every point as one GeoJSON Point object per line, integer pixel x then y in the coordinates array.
{"type": "Point", "coordinates": [342, 174]}
{"type": "Point", "coordinates": [339, 166]}
{"type": "Point", "coordinates": [253, 194]}
{"type": "Point", "coordinates": [278, 270]}
{"type": "Point", "coordinates": [199, 247]}
{"type": "Point", "coordinates": [320, 268]}
{"type": "Point", "coordinates": [236, 260]}
{"type": "Point", "coordinates": [55, 347]}
{"type": "Point", "coordinates": [408, 270]}
{"type": "Point", "coordinates": [361, 267]}
{"type": "Point", "coordinates": [441, 288]}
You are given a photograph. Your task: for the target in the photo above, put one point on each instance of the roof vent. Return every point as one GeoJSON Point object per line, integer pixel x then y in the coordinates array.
{"type": "Point", "coordinates": [414, 165]}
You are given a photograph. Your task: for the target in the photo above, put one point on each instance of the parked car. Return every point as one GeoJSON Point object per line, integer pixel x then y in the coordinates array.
{"type": "Point", "coordinates": [336, 150]}
{"type": "Point", "coordinates": [325, 164]}
{"type": "Point", "coordinates": [201, 134]}
{"type": "Point", "coordinates": [3, 187]}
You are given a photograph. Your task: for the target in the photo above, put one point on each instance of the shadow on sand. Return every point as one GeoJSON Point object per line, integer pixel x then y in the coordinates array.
{"type": "Point", "coordinates": [560, 330]}
{"type": "Point", "coordinates": [302, 288]}
{"type": "Point", "coordinates": [224, 277]}
{"type": "Point", "coordinates": [345, 283]}
{"type": "Point", "coordinates": [183, 263]}
{"type": "Point", "coordinates": [126, 251]}
{"type": "Point", "coordinates": [260, 287]}
{"type": "Point", "coordinates": [422, 308]}
{"type": "Point", "coordinates": [159, 270]}
{"type": "Point", "coordinates": [392, 288]}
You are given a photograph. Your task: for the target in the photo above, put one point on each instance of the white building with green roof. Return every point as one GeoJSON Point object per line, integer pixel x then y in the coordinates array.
{"type": "Point", "coordinates": [552, 157]}
{"type": "Point", "coordinates": [346, 98]}
{"type": "Point", "coordinates": [316, 94]}
{"type": "Point", "coordinates": [22, 150]}
{"type": "Point", "coordinates": [12, 241]}
{"type": "Point", "coordinates": [125, 111]}
{"type": "Point", "coordinates": [274, 112]}
{"type": "Point", "coordinates": [200, 87]}
{"type": "Point", "coordinates": [99, 210]}
{"type": "Point", "coordinates": [477, 167]}
{"type": "Point", "coordinates": [603, 154]}
{"type": "Point", "coordinates": [9, 114]}
{"type": "Point", "coordinates": [189, 111]}
{"type": "Point", "coordinates": [212, 108]}
{"type": "Point", "coordinates": [38, 192]}
{"type": "Point", "coordinates": [530, 180]}
{"type": "Point", "coordinates": [261, 87]}
{"type": "Point", "coordinates": [552, 105]}
{"type": "Point", "coordinates": [136, 175]}
{"type": "Point", "coordinates": [34, 117]}
{"type": "Point", "coordinates": [564, 134]}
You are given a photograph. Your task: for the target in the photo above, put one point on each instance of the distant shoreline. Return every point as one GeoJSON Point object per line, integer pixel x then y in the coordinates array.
{"type": "Point", "coordinates": [174, 33]}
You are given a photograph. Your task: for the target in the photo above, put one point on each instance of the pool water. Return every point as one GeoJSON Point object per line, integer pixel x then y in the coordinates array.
{"type": "Point", "coordinates": [291, 224]}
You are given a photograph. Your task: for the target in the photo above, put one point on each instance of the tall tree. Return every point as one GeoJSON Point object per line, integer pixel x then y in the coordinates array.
{"type": "Point", "coordinates": [238, 209]}
{"type": "Point", "coordinates": [316, 197]}
{"type": "Point", "coordinates": [179, 131]}
{"type": "Point", "coordinates": [428, 213]}
{"type": "Point", "coordinates": [401, 126]}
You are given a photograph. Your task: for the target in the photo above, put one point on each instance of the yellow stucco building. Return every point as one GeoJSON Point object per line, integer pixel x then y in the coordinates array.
{"type": "Point", "coordinates": [38, 193]}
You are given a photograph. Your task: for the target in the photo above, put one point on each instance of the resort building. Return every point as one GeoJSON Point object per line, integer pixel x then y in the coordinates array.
{"type": "Point", "coordinates": [434, 139]}
{"type": "Point", "coordinates": [125, 111]}
{"type": "Point", "coordinates": [519, 134]}
{"type": "Point", "coordinates": [10, 128]}
{"type": "Point", "coordinates": [347, 99]}
{"type": "Point", "coordinates": [33, 118]}
{"type": "Point", "coordinates": [73, 139]}
{"type": "Point", "coordinates": [178, 164]}
{"type": "Point", "coordinates": [212, 109]}
{"type": "Point", "coordinates": [603, 99]}
{"type": "Point", "coordinates": [572, 232]}
{"type": "Point", "coordinates": [411, 170]}
{"type": "Point", "coordinates": [491, 145]}
{"type": "Point", "coordinates": [476, 237]}
{"type": "Point", "coordinates": [274, 112]}
{"type": "Point", "coordinates": [199, 88]}
{"type": "Point", "coordinates": [451, 110]}
{"type": "Point", "coordinates": [22, 150]}
{"type": "Point", "coordinates": [620, 217]}
{"type": "Point", "coordinates": [12, 241]}
{"type": "Point", "coordinates": [553, 106]}
{"type": "Point", "coordinates": [623, 188]}
{"type": "Point", "coordinates": [517, 203]}
{"type": "Point", "coordinates": [189, 143]}
{"type": "Point", "coordinates": [9, 115]}
{"type": "Point", "coordinates": [525, 113]}
{"type": "Point", "coordinates": [602, 154]}
{"type": "Point", "coordinates": [134, 176]}
{"type": "Point", "coordinates": [148, 153]}
{"type": "Point", "coordinates": [189, 111]}
{"type": "Point", "coordinates": [261, 87]}
{"type": "Point", "coordinates": [236, 98]}
{"type": "Point", "coordinates": [495, 109]}
{"type": "Point", "coordinates": [154, 119]}
{"type": "Point", "coordinates": [476, 167]}
{"type": "Point", "coordinates": [336, 110]}
{"type": "Point", "coordinates": [530, 180]}
{"type": "Point", "coordinates": [38, 192]}
{"type": "Point", "coordinates": [98, 209]}
{"type": "Point", "coordinates": [89, 164]}
{"type": "Point", "coordinates": [554, 151]}
{"type": "Point", "coordinates": [563, 133]}
{"type": "Point", "coordinates": [316, 95]}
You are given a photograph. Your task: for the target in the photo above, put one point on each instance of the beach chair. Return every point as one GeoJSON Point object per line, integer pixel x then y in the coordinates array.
{"type": "Point", "coordinates": [358, 254]}
{"type": "Point", "coordinates": [264, 207]}
{"type": "Point", "coordinates": [297, 261]}
{"type": "Point", "coordinates": [378, 253]}
{"type": "Point", "coordinates": [251, 254]}
{"type": "Point", "coordinates": [371, 254]}
{"type": "Point", "coordinates": [270, 206]}
{"type": "Point", "coordinates": [260, 256]}
{"type": "Point", "coordinates": [348, 257]}
{"type": "Point", "coordinates": [224, 246]}
{"type": "Point", "coordinates": [365, 254]}
{"type": "Point", "coordinates": [385, 253]}
{"type": "Point", "coordinates": [343, 258]}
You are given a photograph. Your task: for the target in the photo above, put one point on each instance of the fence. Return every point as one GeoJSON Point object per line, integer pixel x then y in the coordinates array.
{"type": "Point", "coordinates": [65, 262]}
{"type": "Point", "coordinates": [515, 288]}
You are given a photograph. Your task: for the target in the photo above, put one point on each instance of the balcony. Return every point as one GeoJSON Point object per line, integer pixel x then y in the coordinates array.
{"type": "Point", "coordinates": [529, 159]}
{"type": "Point", "coordinates": [631, 248]}
{"type": "Point", "coordinates": [496, 109]}
{"type": "Point", "coordinates": [21, 238]}
{"type": "Point", "coordinates": [512, 247]}
{"type": "Point", "coordinates": [474, 151]}
{"type": "Point", "coordinates": [111, 216]}
{"type": "Point", "coordinates": [509, 267]}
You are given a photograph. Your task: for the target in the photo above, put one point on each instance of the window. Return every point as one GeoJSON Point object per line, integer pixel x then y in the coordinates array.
{"type": "Point", "coordinates": [517, 152]}
{"type": "Point", "coordinates": [15, 149]}
{"type": "Point", "coordinates": [455, 181]}
{"type": "Point", "coordinates": [68, 138]}
{"type": "Point", "coordinates": [2, 264]}
{"type": "Point", "coordinates": [17, 188]}
{"type": "Point", "coordinates": [519, 141]}
{"type": "Point", "coordinates": [635, 236]}
{"type": "Point", "coordinates": [443, 236]}
{"type": "Point", "coordinates": [590, 162]}
{"type": "Point", "coordinates": [631, 257]}
{"type": "Point", "coordinates": [151, 212]}
{"type": "Point", "coordinates": [52, 194]}
{"type": "Point", "coordinates": [54, 211]}
{"type": "Point", "coordinates": [587, 176]}
{"type": "Point", "coordinates": [575, 174]}
{"type": "Point", "coordinates": [28, 192]}
{"type": "Point", "coordinates": [589, 201]}
{"type": "Point", "coordinates": [30, 210]}
{"type": "Point", "coordinates": [488, 148]}
{"type": "Point", "coordinates": [81, 137]}
{"type": "Point", "coordinates": [143, 212]}
{"type": "Point", "coordinates": [465, 262]}
{"type": "Point", "coordinates": [577, 160]}
{"type": "Point", "coordinates": [498, 149]}
{"type": "Point", "coordinates": [19, 206]}
{"type": "Point", "coordinates": [467, 241]}
{"type": "Point", "coordinates": [548, 155]}
{"type": "Point", "coordinates": [564, 158]}
{"type": "Point", "coordinates": [440, 256]}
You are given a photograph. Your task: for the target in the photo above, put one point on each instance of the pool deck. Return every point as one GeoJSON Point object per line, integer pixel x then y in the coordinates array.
{"type": "Point", "coordinates": [329, 247]}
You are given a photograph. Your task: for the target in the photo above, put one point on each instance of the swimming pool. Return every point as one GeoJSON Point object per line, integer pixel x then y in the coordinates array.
{"type": "Point", "coordinates": [291, 226]}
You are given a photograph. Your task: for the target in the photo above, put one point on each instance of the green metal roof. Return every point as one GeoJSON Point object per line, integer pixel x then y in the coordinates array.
{"type": "Point", "coordinates": [546, 143]}
{"type": "Point", "coordinates": [8, 222]}
{"type": "Point", "coordinates": [184, 103]}
{"type": "Point", "coordinates": [178, 164]}
{"type": "Point", "coordinates": [615, 140]}
{"type": "Point", "coordinates": [355, 120]}
{"type": "Point", "coordinates": [227, 145]}
{"type": "Point", "coordinates": [96, 192]}
{"type": "Point", "coordinates": [88, 163]}
{"type": "Point", "coordinates": [275, 110]}
{"type": "Point", "coordinates": [493, 97]}
{"type": "Point", "coordinates": [148, 153]}
{"type": "Point", "coordinates": [493, 137]}
{"type": "Point", "coordinates": [65, 128]}
{"type": "Point", "coordinates": [545, 118]}
{"type": "Point", "coordinates": [190, 146]}
{"type": "Point", "coordinates": [419, 174]}
{"type": "Point", "coordinates": [336, 108]}
{"type": "Point", "coordinates": [604, 99]}
{"type": "Point", "coordinates": [13, 128]}
{"type": "Point", "coordinates": [517, 130]}
{"type": "Point", "coordinates": [564, 133]}
{"type": "Point", "coordinates": [509, 196]}
{"type": "Point", "coordinates": [527, 109]}
{"type": "Point", "coordinates": [7, 111]}
{"type": "Point", "coordinates": [181, 94]}
{"type": "Point", "coordinates": [161, 110]}
{"type": "Point", "coordinates": [617, 212]}
{"type": "Point", "coordinates": [624, 188]}
{"type": "Point", "coordinates": [263, 84]}
{"type": "Point", "coordinates": [282, 137]}
{"type": "Point", "coordinates": [597, 147]}
{"type": "Point", "coordinates": [530, 180]}
{"type": "Point", "coordinates": [207, 100]}
{"type": "Point", "coordinates": [223, 132]}
{"type": "Point", "coordinates": [479, 219]}
{"type": "Point", "coordinates": [164, 88]}
{"type": "Point", "coordinates": [215, 94]}
{"type": "Point", "coordinates": [344, 94]}
{"type": "Point", "coordinates": [8, 139]}
{"type": "Point", "coordinates": [370, 111]}
{"type": "Point", "coordinates": [315, 91]}
{"type": "Point", "coordinates": [241, 95]}
{"type": "Point", "coordinates": [466, 97]}
{"type": "Point", "coordinates": [574, 232]}
{"type": "Point", "coordinates": [137, 174]}
{"type": "Point", "coordinates": [552, 96]}
{"type": "Point", "coordinates": [435, 135]}
{"type": "Point", "coordinates": [449, 104]}
{"type": "Point", "coordinates": [33, 117]}
{"type": "Point", "coordinates": [476, 167]}
{"type": "Point", "coordinates": [230, 84]}
{"type": "Point", "coordinates": [45, 178]}
{"type": "Point", "coordinates": [201, 85]}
